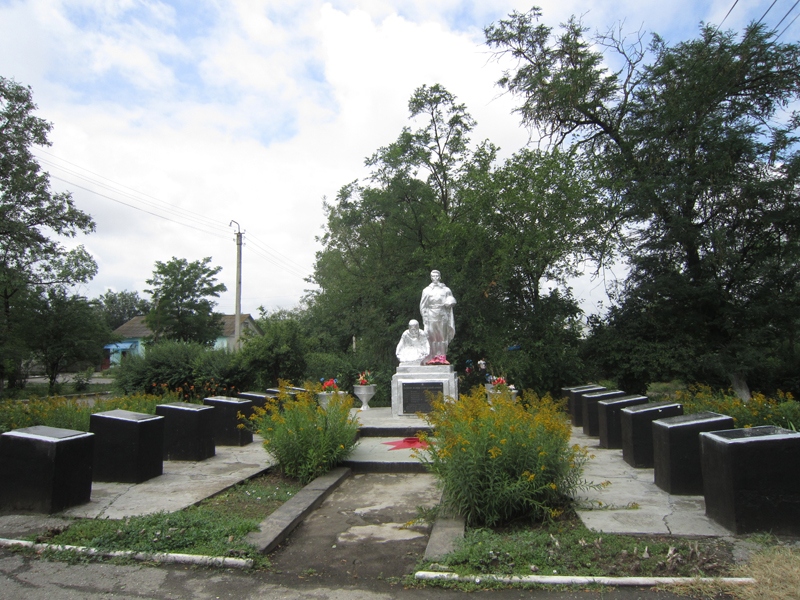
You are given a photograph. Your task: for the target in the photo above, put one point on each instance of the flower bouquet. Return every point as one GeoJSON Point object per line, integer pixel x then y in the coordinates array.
{"type": "Point", "coordinates": [440, 359]}
{"type": "Point", "coordinates": [365, 388]}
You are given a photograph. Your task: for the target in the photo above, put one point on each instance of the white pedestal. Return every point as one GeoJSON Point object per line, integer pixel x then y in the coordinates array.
{"type": "Point", "coordinates": [409, 385]}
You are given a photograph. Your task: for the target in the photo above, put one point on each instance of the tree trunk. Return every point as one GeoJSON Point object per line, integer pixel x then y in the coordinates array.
{"type": "Point", "coordinates": [740, 387]}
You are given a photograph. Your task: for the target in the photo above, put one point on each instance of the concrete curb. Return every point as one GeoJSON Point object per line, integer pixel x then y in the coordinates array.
{"type": "Point", "coordinates": [447, 530]}
{"type": "Point", "coordinates": [277, 527]}
{"type": "Point", "coordinates": [578, 580]}
{"type": "Point", "coordinates": [159, 557]}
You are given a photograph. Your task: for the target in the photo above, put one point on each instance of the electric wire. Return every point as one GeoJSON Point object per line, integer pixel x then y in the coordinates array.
{"type": "Point", "coordinates": [265, 248]}
{"type": "Point", "coordinates": [158, 205]}
{"type": "Point", "coordinates": [263, 251]}
{"type": "Point", "coordinates": [72, 183]}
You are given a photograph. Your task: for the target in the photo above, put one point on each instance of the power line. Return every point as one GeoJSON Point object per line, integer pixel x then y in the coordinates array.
{"type": "Point", "coordinates": [279, 256]}
{"type": "Point", "coordinates": [263, 250]}
{"type": "Point", "coordinates": [158, 205]}
{"type": "Point", "coordinates": [72, 183]}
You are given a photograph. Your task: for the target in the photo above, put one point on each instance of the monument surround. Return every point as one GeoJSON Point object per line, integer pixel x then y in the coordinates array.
{"type": "Point", "coordinates": [410, 384]}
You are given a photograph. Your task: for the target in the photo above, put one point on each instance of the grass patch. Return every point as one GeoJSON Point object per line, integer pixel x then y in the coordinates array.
{"type": "Point", "coordinates": [215, 527]}
{"type": "Point", "coordinates": [567, 547]}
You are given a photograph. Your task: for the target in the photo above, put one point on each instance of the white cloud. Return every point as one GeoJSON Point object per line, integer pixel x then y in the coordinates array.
{"type": "Point", "coordinates": [254, 110]}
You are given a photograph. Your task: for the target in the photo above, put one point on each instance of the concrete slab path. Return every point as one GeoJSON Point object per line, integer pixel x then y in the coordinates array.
{"type": "Point", "coordinates": [632, 503]}
{"type": "Point", "coordinates": [183, 483]}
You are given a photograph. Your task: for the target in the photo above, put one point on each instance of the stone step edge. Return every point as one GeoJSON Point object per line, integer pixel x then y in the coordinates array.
{"type": "Point", "coordinates": [446, 532]}
{"type": "Point", "coordinates": [398, 431]}
{"type": "Point", "coordinates": [276, 528]}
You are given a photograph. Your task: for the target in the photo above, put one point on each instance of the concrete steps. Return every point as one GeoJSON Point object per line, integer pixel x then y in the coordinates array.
{"type": "Point", "coordinates": [375, 452]}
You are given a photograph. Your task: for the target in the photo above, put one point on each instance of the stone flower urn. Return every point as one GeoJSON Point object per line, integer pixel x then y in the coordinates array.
{"type": "Point", "coordinates": [324, 398]}
{"type": "Point", "coordinates": [365, 394]}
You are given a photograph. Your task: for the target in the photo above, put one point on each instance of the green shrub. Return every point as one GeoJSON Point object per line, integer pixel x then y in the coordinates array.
{"type": "Point", "coordinates": [502, 462]}
{"type": "Point", "coordinates": [782, 410]}
{"type": "Point", "coordinates": [165, 366]}
{"type": "Point", "coordinates": [305, 439]}
{"type": "Point", "coordinates": [188, 369]}
{"type": "Point", "coordinates": [219, 373]}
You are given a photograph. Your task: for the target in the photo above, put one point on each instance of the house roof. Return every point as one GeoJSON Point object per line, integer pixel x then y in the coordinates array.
{"type": "Point", "coordinates": [229, 322]}
{"type": "Point", "coordinates": [136, 327]}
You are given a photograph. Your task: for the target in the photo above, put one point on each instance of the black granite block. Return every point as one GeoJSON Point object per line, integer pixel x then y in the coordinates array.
{"type": "Point", "coordinates": [676, 450]}
{"type": "Point", "coordinates": [608, 416]}
{"type": "Point", "coordinates": [45, 469]}
{"type": "Point", "coordinates": [576, 402]}
{"type": "Point", "coordinates": [750, 479]}
{"type": "Point", "coordinates": [226, 420]}
{"type": "Point", "coordinates": [188, 430]}
{"type": "Point", "coordinates": [259, 399]}
{"type": "Point", "coordinates": [128, 446]}
{"type": "Point", "coordinates": [637, 430]}
{"type": "Point", "coordinates": [591, 421]}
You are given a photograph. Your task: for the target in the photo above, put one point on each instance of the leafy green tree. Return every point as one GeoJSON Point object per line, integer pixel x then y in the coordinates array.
{"type": "Point", "coordinates": [68, 329]}
{"type": "Point", "coordinates": [120, 307]}
{"type": "Point", "coordinates": [31, 218]}
{"type": "Point", "coordinates": [281, 352]}
{"type": "Point", "coordinates": [182, 305]}
{"type": "Point", "coordinates": [498, 233]}
{"type": "Point", "coordinates": [698, 158]}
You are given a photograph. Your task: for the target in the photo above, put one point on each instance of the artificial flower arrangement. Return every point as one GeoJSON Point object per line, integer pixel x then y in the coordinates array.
{"type": "Point", "coordinates": [440, 359]}
{"type": "Point", "coordinates": [501, 384]}
{"type": "Point", "coordinates": [365, 378]}
{"type": "Point", "coordinates": [330, 385]}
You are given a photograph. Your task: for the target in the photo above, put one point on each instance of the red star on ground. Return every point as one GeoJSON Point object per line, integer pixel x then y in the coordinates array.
{"type": "Point", "coordinates": [409, 442]}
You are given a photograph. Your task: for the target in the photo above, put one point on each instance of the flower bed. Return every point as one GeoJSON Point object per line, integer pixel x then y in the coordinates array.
{"type": "Point", "coordinates": [504, 461]}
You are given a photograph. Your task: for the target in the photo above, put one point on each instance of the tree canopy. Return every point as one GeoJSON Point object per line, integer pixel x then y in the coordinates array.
{"type": "Point", "coordinates": [31, 218]}
{"type": "Point", "coordinates": [504, 236]}
{"type": "Point", "coordinates": [182, 306]}
{"type": "Point", "coordinates": [697, 156]}
{"type": "Point", "coordinates": [120, 307]}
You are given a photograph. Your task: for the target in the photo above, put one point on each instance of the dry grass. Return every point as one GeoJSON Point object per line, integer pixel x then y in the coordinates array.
{"type": "Point", "coordinates": [777, 571]}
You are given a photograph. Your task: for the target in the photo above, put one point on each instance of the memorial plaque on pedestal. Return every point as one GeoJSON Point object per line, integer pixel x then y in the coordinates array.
{"type": "Point", "coordinates": [417, 397]}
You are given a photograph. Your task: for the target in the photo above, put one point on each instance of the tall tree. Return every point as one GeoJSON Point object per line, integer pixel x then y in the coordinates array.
{"type": "Point", "coordinates": [31, 217]}
{"type": "Point", "coordinates": [497, 233]}
{"type": "Point", "coordinates": [66, 329]}
{"type": "Point", "coordinates": [699, 156]}
{"type": "Point", "coordinates": [182, 306]}
{"type": "Point", "coordinates": [120, 307]}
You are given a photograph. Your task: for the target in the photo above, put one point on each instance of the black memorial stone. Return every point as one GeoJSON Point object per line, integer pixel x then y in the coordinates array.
{"type": "Point", "coordinates": [676, 450]}
{"type": "Point", "coordinates": [566, 392]}
{"type": "Point", "coordinates": [591, 419]}
{"type": "Point", "coordinates": [576, 402]}
{"type": "Point", "coordinates": [128, 446]}
{"type": "Point", "coordinates": [608, 416]}
{"type": "Point", "coordinates": [45, 469]}
{"type": "Point", "coordinates": [258, 399]}
{"type": "Point", "coordinates": [750, 479]}
{"type": "Point", "coordinates": [188, 430]}
{"type": "Point", "coordinates": [637, 430]}
{"type": "Point", "coordinates": [226, 420]}
{"type": "Point", "coordinates": [417, 396]}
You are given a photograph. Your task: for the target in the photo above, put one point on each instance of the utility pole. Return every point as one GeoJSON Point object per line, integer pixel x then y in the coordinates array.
{"type": "Point", "coordinates": [237, 326]}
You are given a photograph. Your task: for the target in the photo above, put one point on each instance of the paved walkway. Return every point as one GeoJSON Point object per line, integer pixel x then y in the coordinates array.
{"type": "Point", "coordinates": [632, 503]}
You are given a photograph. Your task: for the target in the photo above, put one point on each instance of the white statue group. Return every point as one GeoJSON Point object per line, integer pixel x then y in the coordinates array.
{"type": "Point", "coordinates": [422, 346]}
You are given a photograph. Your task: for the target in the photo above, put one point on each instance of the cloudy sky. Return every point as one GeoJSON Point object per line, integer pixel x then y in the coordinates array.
{"type": "Point", "coordinates": [172, 118]}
